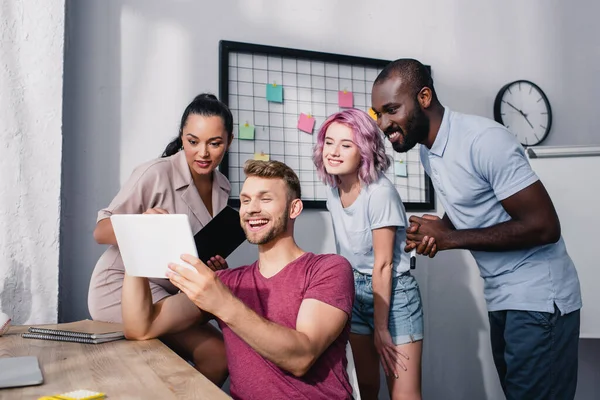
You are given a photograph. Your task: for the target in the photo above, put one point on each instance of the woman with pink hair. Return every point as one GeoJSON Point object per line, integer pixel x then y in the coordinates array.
{"type": "Point", "coordinates": [370, 224]}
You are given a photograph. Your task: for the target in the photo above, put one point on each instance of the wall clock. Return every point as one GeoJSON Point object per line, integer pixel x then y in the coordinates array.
{"type": "Point", "coordinates": [524, 109]}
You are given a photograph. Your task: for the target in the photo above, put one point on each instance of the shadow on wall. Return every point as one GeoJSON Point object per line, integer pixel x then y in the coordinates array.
{"type": "Point", "coordinates": [588, 384]}
{"type": "Point", "coordinates": [314, 232]}
{"type": "Point", "coordinates": [16, 296]}
{"type": "Point", "coordinates": [456, 331]}
{"type": "Point", "coordinates": [91, 143]}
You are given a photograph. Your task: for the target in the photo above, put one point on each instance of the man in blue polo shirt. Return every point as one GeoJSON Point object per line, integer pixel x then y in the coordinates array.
{"type": "Point", "coordinates": [497, 208]}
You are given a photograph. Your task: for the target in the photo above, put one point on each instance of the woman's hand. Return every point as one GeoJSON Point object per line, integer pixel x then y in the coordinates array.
{"type": "Point", "coordinates": [156, 210]}
{"type": "Point", "coordinates": [216, 263]}
{"type": "Point", "coordinates": [391, 356]}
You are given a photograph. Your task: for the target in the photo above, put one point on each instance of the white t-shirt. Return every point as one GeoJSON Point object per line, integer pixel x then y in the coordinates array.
{"type": "Point", "coordinates": [378, 205]}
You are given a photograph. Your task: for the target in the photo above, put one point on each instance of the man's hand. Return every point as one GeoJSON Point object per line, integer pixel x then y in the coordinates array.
{"type": "Point", "coordinates": [216, 263]}
{"type": "Point", "coordinates": [202, 286]}
{"type": "Point", "coordinates": [427, 245]}
{"type": "Point", "coordinates": [430, 226]}
{"type": "Point", "coordinates": [391, 356]}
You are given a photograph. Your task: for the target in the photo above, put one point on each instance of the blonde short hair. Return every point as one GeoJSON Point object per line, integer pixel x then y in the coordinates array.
{"type": "Point", "coordinates": [275, 170]}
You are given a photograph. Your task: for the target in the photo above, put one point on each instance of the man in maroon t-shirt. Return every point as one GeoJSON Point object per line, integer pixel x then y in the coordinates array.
{"type": "Point", "coordinates": [285, 318]}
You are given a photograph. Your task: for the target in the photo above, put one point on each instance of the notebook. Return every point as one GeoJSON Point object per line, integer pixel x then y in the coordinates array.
{"type": "Point", "coordinates": [87, 331]}
{"type": "Point", "coordinates": [20, 371]}
{"type": "Point", "coordinates": [221, 236]}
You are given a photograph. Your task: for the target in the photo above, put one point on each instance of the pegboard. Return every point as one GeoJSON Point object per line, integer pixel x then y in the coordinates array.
{"type": "Point", "coordinates": [273, 92]}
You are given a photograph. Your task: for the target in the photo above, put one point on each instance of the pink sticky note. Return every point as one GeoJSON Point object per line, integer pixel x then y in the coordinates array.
{"type": "Point", "coordinates": [306, 123]}
{"type": "Point", "coordinates": [345, 99]}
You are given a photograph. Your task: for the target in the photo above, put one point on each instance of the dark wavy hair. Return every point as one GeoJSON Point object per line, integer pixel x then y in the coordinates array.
{"type": "Point", "coordinates": [207, 105]}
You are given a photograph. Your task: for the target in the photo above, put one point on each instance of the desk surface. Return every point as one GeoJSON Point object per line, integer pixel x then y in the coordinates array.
{"type": "Point", "coordinates": [122, 369]}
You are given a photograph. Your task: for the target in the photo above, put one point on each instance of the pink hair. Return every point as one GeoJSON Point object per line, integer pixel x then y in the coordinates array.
{"type": "Point", "coordinates": [373, 159]}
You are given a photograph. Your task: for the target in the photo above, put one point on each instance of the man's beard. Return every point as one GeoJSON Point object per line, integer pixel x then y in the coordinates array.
{"type": "Point", "coordinates": [417, 129]}
{"type": "Point", "coordinates": [279, 226]}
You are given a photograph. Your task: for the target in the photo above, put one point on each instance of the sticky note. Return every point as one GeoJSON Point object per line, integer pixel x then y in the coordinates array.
{"type": "Point", "coordinates": [372, 114]}
{"type": "Point", "coordinates": [345, 99]}
{"type": "Point", "coordinates": [246, 132]}
{"type": "Point", "coordinates": [400, 169]}
{"type": "Point", "coordinates": [274, 93]}
{"type": "Point", "coordinates": [261, 156]}
{"type": "Point", "coordinates": [306, 123]}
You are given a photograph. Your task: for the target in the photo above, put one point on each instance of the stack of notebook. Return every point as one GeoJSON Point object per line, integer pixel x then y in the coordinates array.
{"type": "Point", "coordinates": [87, 331]}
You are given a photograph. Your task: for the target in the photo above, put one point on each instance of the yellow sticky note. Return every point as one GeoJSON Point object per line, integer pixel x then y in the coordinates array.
{"type": "Point", "coordinates": [261, 156]}
{"type": "Point", "coordinates": [372, 114]}
{"type": "Point", "coordinates": [76, 395]}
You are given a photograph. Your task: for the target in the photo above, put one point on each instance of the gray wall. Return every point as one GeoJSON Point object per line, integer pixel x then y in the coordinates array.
{"type": "Point", "coordinates": [132, 66]}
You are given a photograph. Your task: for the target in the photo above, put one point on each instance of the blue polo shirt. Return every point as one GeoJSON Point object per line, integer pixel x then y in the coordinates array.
{"type": "Point", "coordinates": [474, 164]}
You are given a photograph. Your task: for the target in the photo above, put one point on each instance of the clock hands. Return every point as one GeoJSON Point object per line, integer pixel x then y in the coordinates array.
{"type": "Point", "coordinates": [522, 113]}
{"type": "Point", "coordinates": [527, 119]}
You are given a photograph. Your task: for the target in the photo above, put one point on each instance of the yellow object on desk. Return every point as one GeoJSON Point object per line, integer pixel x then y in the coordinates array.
{"type": "Point", "coordinates": [76, 395]}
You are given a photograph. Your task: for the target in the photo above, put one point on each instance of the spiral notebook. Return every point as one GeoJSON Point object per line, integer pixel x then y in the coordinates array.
{"type": "Point", "coordinates": [86, 331]}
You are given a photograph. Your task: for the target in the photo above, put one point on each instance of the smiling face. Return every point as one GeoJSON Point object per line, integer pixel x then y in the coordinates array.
{"type": "Point", "coordinates": [264, 209]}
{"type": "Point", "coordinates": [205, 141]}
{"type": "Point", "coordinates": [399, 115]}
{"type": "Point", "coordinates": [341, 156]}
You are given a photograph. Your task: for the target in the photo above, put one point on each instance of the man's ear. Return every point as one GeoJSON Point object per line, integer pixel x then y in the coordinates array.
{"type": "Point", "coordinates": [296, 208]}
{"type": "Point", "coordinates": [425, 97]}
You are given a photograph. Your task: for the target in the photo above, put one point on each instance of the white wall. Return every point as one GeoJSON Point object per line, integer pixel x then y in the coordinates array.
{"type": "Point", "coordinates": [132, 66]}
{"type": "Point", "coordinates": [31, 83]}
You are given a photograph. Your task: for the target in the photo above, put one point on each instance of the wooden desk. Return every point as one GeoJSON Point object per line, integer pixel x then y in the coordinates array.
{"type": "Point", "coordinates": [122, 369]}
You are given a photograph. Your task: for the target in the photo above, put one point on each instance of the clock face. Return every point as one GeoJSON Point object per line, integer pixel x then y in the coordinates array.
{"type": "Point", "coordinates": [524, 109]}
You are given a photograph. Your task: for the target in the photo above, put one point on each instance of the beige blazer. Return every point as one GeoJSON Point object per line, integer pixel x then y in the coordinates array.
{"type": "Point", "coordinates": [164, 183]}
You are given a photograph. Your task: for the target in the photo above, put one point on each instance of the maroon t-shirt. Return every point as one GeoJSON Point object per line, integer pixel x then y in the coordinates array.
{"type": "Point", "coordinates": [327, 278]}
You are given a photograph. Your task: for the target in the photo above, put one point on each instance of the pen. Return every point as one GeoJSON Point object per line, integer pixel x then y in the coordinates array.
{"type": "Point", "coordinates": [413, 259]}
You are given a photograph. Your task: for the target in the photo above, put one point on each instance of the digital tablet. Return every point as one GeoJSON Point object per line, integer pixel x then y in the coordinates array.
{"type": "Point", "coordinates": [149, 242]}
{"type": "Point", "coordinates": [20, 371]}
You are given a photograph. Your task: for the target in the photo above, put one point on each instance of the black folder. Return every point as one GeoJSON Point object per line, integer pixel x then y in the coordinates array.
{"type": "Point", "coordinates": [221, 236]}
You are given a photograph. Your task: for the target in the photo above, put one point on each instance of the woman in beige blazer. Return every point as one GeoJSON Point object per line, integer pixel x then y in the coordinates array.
{"type": "Point", "coordinates": [184, 181]}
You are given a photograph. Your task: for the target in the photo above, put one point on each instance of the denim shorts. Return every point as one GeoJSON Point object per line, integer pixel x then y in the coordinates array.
{"type": "Point", "coordinates": [406, 312]}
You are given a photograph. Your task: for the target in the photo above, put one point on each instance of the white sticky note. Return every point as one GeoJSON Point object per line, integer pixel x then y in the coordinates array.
{"type": "Point", "coordinates": [400, 169]}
